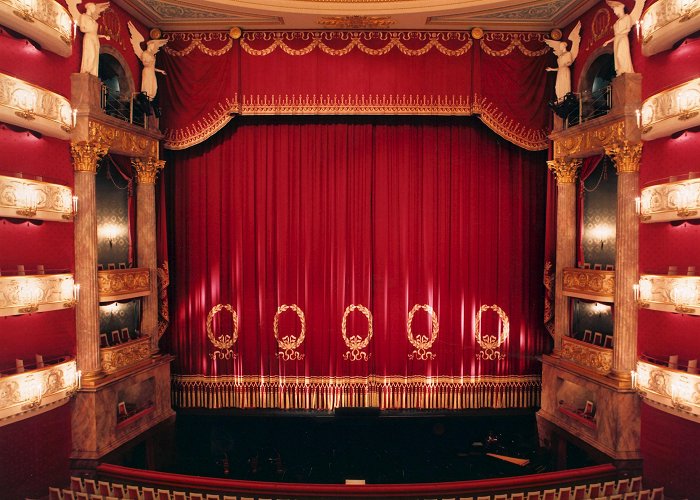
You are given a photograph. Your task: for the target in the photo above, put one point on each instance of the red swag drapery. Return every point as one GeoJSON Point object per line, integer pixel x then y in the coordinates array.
{"type": "Point", "coordinates": [500, 78]}
{"type": "Point", "coordinates": [383, 213]}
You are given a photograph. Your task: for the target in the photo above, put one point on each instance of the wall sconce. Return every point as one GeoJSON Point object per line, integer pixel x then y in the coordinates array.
{"type": "Point", "coordinates": [682, 295]}
{"type": "Point", "coordinates": [642, 292]}
{"type": "Point", "coordinates": [601, 233]}
{"type": "Point", "coordinates": [687, 196]}
{"type": "Point", "coordinates": [681, 393]}
{"type": "Point", "coordinates": [27, 200]}
{"type": "Point", "coordinates": [75, 205]}
{"type": "Point", "coordinates": [109, 232]}
{"type": "Point", "coordinates": [29, 294]}
{"type": "Point", "coordinates": [31, 391]}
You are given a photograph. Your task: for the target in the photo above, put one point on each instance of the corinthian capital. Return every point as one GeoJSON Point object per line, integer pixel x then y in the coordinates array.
{"type": "Point", "coordinates": [147, 169]}
{"type": "Point", "coordinates": [86, 155]}
{"type": "Point", "coordinates": [564, 170]}
{"type": "Point", "coordinates": [625, 155]}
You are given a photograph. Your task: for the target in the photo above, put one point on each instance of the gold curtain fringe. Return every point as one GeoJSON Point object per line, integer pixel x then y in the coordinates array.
{"type": "Point", "coordinates": [509, 129]}
{"type": "Point", "coordinates": [327, 393]}
{"type": "Point", "coordinates": [197, 42]}
{"type": "Point", "coordinates": [202, 129]}
{"type": "Point", "coordinates": [516, 41]}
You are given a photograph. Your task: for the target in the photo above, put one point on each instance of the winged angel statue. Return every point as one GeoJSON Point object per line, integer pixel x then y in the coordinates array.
{"type": "Point", "coordinates": [87, 22]}
{"type": "Point", "coordinates": [149, 84]}
{"type": "Point", "coordinates": [621, 28]}
{"type": "Point", "coordinates": [565, 58]}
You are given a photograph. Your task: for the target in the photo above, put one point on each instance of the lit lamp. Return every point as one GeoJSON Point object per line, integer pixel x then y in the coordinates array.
{"type": "Point", "coordinates": [27, 200]}
{"type": "Point", "coordinates": [680, 392]}
{"type": "Point", "coordinates": [29, 295]}
{"type": "Point", "coordinates": [683, 294]}
{"type": "Point", "coordinates": [31, 391]}
{"type": "Point", "coordinates": [642, 292]}
{"type": "Point", "coordinates": [601, 233]}
{"type": "Point", "coordinates": [687, 196]}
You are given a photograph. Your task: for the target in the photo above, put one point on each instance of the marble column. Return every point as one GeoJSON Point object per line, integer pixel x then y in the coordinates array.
{"type": "Point", "coordinates": [626, 157]}
{"type": "Point", "coordinates": [146, 171]}
{"type": "Point", "coordinates": [565, 172]}
{"type": "Point", "coordinates": [86, 156]}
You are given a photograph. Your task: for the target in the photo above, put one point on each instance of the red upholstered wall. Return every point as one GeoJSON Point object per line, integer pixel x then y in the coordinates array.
{"type": "Point", "coordinates": [668, 460]}
{"type": "Point", "coordinates": [34, 453]}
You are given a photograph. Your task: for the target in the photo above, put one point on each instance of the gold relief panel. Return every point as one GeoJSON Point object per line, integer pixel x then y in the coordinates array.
{"type": "Point", "coordinates": [670, 293]}
{"type": "Point", "coordinates": [673, 391]}
{"type": "Point", "coordinates": [125, 355]}
{"type": "Point", "coordinates": [357, 22]}
{"type": "Point", "coordinates": [28, 198]}
{"type": "Point", "coordinates": [667, 21]}
{"type": "Point", "coordinates": [120, 284]}
{"type": "Point", "coordinates": [45, 21]}
{"type": "Point", "coordinates": [30, 106]}
{"type": "Point", "coordinates": [585, 142]}
{"type": "Point", "coordinates": [672, 110]}
{"type": "Point", "coordinates": [589, 284]}
{"type": "Point", "coordinates": [36, 293]}
{"type": "Point", "coordinates": [590, 356]}
{"type": "Point", "coordinates": [122, 141]}
{"type": "Point", "coordinates": [677, 200]}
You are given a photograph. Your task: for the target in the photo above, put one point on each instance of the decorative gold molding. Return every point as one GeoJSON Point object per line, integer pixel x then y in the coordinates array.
{"type": "Point", "coordinates": [356, 22]}
{"type": "Point", "coordinates": [589, 141]}
{"type": "Point", "coordinates": [121, 284]}
{"type": "Point", "coordinates": [36, 293]}
{"type": "Point", "coordinates": [147, 169]}
{"type": "Point", "coordinates": [669, 293]}
{"type": "Point", "coordinates": [590, 356]}
{"type": "Point", "coordinates": [28, 198]}
{"type": "Point", "coordinates": [125, 355]}
{"type": "Point", "coordinates": [625, 155]}
{"type": "Point", "coordinates": [670, 201]}
{"type": "Point", "coordinates": [564, 170]}
{"type": "Point", "coordinates": [327, 393]}
{"type": "Point", "coordinates": [30, 106]}
{"type": "Point", "coordinates": [25, 394]}
{"type": "Point", "coordinates": [589, 284]}
{"type": "Point", "coordinates": [671, 110]}
{"type": "Point", "coordinates": [122, 141]}
{"type": "Point", "coordinates": [86, 155]}
{"type": "Point", "coordinates": [672, 391]}
{"type": "Point", "coordinates": [45, 21]}
{"type": "Point", "coordinates": [667, 21]}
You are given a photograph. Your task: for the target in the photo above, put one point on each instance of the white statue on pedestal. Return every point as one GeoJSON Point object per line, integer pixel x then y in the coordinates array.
{"type": "Point", "coordinates": [565, 58]}
{"type": "Point", "coordinates": [149, 84]}
{"type": "Point", "coordinates": [621, 28]}
{"type": "Point", "coordinates": [87, 22]}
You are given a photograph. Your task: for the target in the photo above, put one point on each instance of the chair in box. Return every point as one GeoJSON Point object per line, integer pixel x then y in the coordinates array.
{"type": "Point", "coordinates": [68, 495]}
{"type": "Point", "coordinates": [636, 484]}
{"type": "Point", "coordinates": [118, 490]}
{"type": "Point", "coordinates": [580, 492]}
{"type": "Point", "coordinates": [79, 495]}
{"type": "Point", "coordinates": [196, 496]}
{"type": "Point", "coordinates": [164, 495]}
{"type": "Point", "coordinates": [623, 486]}
{"type": "Point", "coordinates": [104, 489]}
{"type": "Point", "coordinates": [517, 496]}
{"type": "Point", "coordinates": [76, 484]}
{"type": "Point", "coordinates": [90, 486]}
{"type": "Point", "coordinates": [533, 495]}
{"type": "Point", "coordinates": [179, 495]}
{"type": "Point", "coordinates": [212, 497]}
{"type": "Point", "coordinates": [608, 489]}
{"type": "Point", "coordinates": [502, 496]}
{"type": "Point", "coordinates": [132, 492]}
{"type": "Point", "coordinates": [644, 495]}
{"type": "Point", "coordinates": [657, 494]}
{"type": "Point", "coordinates": [549, 494]}
{"type": "Point", "coordinates": [55, 493]}
{"type": "Point", "coordinates": [564, 494]}
{"type": "Point", "coordinates": [148, 494]}
{"type": "Point", "coordinates": [594, 490]}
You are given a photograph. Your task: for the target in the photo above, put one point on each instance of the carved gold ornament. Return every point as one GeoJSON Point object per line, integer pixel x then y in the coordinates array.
{"type": "Point", "coordinates": [422, 343]}
{"type": "Point", "coordinates": [671, 110]}
{"type": "Point", "coordinates": [564, 170]}
{"type": "Point", "coordinates": [199, 41]}
{"type": "Point", "coordinates": [355, 343]}
{"type": "Point", "coordinates": [128, 354]}
{"type": "Point", "coordinates": [36, 293]}
{"type": "Point", "coordinates": [147, 169]}
{"type": "Point", "coordinates": [625, 155]}
{"type": "Point", "coordinates": [121, 284]}
{"type": "Point", "coordinates": [667, 21]}
{"type": "Point", "coordinates": [588, 355]}
{"type": "Point", "coordinates": [357, 22]}
{"type": "Point", "coordinates": [86, 155]}
{"type": "Point", "coordinates": [580, 144]}
{"type": "Point", "coordinates": [490, 343]}
{"type": "Point", "coordinates": [670, 293]}
{"type": "Point", "coordinates": [122, 141]}
{"type": "Point", "coordinates": [670, 390]}
{"type": "Point", "coordinates": [35, 199]}
{"type": "Point", "coordinates": [224, 342]}
{"type": "Point", "coordinates": [678, 200]}
{"type": "Point", "coordinates": [590, 284]}
{"type": "Point", "coordinates": [45, 21]}
{"type": "Point", "coordinates": [289, 343]}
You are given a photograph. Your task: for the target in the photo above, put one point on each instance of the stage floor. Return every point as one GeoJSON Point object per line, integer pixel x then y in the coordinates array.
{"type": "Point", "coordinates": [377, 447]}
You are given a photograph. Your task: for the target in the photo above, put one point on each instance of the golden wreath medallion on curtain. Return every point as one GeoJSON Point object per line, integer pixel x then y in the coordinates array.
{"type": "Point", "coordinates": [491, 343]}
{"type": "Point", "coordinates": [422, 343]}
{"type": "Point", "coordinates": [289, 343]}
{"type": "Point", "coordinates": [355, 343]}
{"type": "Point", "coordinates": [225, 342]}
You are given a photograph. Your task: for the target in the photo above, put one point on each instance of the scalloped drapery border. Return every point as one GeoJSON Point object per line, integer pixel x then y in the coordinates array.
{"type": "Point", "coordinates": [490, 115]}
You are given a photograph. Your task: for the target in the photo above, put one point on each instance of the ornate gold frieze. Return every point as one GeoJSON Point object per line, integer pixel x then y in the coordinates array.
{"type": "Point", "coordinates": [30, 106]}
{"type": "Point", "coordinates": [673, 391]}
{"type": "Point", "coordinates": [667, 21]}
{"type": "Point", "coordinates": [45, 21]}
{"type": "Point", "coordinates": [125, 355]}
{"type": "Point", "coordinates": [289, 343]}
{"type": "Point", "coordinates": [28, 198]}
{"type": "Point", "coordinates": [670, 293]}
{"type": "Point", "coordinates": [327, 393]}
{"type": "Point", "coordinates": [588, 355]}
{"type": "Point", "coordinates": [677, 200]}
{"type": "Point", "coordinates": [200, 41]}
{"type": "Point", "coordinates": [564, 170]}
{"type": "Point", "coordinates": [36, 293]}
{"type": "Point", "coordinates": [671, 110]}
{"type": "Point", "coordinates": [226, 341]}
{"type": "Point", "coordinates": [355, 343]}
{"type": "Point", "coordinates": [356, 22]}
{"type": "Point", "coordinates": [422, 343]}
{"type": "Point", "coordinates": [490, 343]}
{"type": "Point", "coordinates": [22, 393]}
{"type": "Point", "coordinates": [121, 284]}
{"type": "Point", "coordinates": [86, 155]}
{"type": "Point", "coordinates": [585, 141]}
{"type": "Point", "coordinates": [123, 141]}
{"type": "Point", "coordinates": [589, 284]}
{"type": "Point", "coordinates": [625, 155]}
{"type": "Point", "coordinates": [147, 169]}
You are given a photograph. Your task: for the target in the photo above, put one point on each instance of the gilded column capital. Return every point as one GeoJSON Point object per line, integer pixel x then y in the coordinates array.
{"type": "Point", "coordinates": [147, 169]}
{"type": "Point", "coordinates": [86, 155]}
{"type": "Point", "coordinates": [564, 170]}
{"type": "Point", "coordinates": [626, 156]}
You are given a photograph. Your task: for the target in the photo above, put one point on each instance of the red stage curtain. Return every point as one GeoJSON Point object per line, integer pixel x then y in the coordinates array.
{"type": "Point", "coordinates": [501, 78]}
{"type": "Point", "coordinates": [384, 213]}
